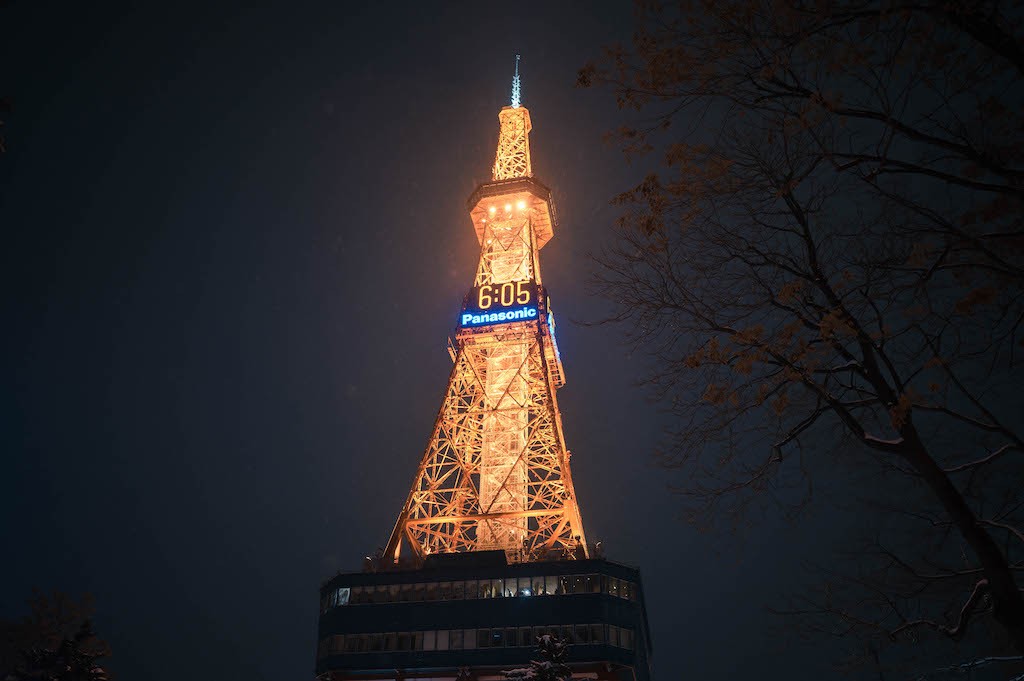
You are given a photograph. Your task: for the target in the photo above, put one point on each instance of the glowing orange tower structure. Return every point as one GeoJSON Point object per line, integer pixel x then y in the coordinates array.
{"type": "Point", "coordinates": [495, 473]}
{"type": "Point", "coordinates": [496, 556]}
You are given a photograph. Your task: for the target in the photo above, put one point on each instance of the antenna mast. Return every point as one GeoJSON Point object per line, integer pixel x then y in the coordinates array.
{"type": "Point", "coordinates": [516, 87]}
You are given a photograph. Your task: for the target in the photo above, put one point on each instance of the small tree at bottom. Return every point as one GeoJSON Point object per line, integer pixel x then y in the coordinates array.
{"type": "Point", "coordinates": [55, 643]}
{"type": "Point", "coordinates": [551, 665]}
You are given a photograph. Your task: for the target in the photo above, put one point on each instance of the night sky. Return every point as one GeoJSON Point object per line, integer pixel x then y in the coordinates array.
{"type": "Point", "coordinates": [235, 242]}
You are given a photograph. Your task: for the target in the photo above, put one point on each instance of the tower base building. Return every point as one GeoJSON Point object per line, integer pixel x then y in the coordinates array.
{"type": "Point", "coordinates": [471, 616]}
{"type": "Point", "coordinates": [496, 555]}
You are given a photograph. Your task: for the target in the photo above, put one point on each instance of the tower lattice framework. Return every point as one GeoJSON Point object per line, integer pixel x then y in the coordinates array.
{"type": "Point", "coordinates": [495, 473]}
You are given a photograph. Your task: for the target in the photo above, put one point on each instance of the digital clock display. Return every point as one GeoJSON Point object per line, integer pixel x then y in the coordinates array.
{"type": "Point", "coordinates": [511, 301]}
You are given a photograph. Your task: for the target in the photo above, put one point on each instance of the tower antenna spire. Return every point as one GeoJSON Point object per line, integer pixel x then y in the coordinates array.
{"type": "Point", "coordinates": [516, 88]}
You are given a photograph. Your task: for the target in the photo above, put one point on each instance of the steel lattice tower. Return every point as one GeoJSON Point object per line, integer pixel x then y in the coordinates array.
{"type": "Point", "coordinates": [495, 473]}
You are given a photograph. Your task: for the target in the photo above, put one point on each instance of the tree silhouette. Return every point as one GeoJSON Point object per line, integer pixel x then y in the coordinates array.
{"type": "Point", "coordinates": [551, 666]}
{"type": "Point", "coordinates": [55, 643]}
{"type": "Point", "coordinates": [827, 264]}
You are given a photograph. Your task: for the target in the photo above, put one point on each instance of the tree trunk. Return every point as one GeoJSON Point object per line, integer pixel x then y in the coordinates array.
{"type": "Point", "coordinates": [1007, 602]}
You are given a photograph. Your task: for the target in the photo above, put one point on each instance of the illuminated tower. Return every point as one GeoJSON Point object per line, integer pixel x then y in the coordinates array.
{"type": "Point", "coordinates": [495, 474]}
{"type": "Point", "coordinates": [496, 554]}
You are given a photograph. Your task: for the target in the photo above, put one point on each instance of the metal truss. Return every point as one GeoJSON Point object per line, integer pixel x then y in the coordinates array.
{"type": "Point", "coordinates": [513, 156]}
{"type": "Point", "coordinates": [495, 474]}
{"type": "Point", "coordinates": [507, 252]}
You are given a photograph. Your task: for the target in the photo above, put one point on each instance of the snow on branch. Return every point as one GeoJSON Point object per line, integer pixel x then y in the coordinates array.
{"type": "Point", "coordinates": [980, 462]}
{"type": "Point", "coordinates": [974, 664]}
{"type": "Point", "coordinates": [956, 631]}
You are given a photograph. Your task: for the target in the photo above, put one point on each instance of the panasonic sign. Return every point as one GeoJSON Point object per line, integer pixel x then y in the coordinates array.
{"type": "Point", "coordinates": [482, 318]}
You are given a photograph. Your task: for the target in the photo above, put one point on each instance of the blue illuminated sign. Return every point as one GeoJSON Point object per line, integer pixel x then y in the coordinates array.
{"type": "Point", "coordinates": [480, 318]}
{"type": "Point", "coordinates": [551, 327]}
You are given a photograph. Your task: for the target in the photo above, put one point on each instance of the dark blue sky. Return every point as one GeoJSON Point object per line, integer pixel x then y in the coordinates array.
{"type": "Point", "coordinates": [235, 241]}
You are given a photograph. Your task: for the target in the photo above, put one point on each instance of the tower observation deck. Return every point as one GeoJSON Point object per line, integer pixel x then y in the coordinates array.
{"type": "Point", "coordinates": [489, 551]}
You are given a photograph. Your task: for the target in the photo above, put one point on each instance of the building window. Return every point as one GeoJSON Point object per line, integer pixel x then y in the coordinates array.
{"type": "Point", "coordinates": [487, 588]}
{"type": "Point", "coordinates": [497, 639]}
{"type": "Point", "coordinates": [512, 637]}
{"type": "Point", "coordinates": [459, 639]}
{"type": "Point", "coordinates": [526, 636]}
{"type": "Point", "coordinates": [446, 591]}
